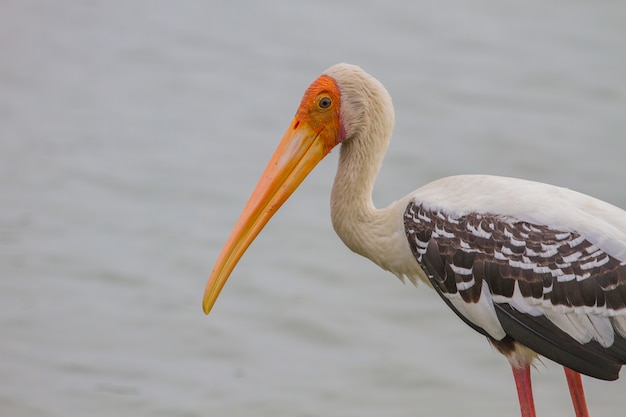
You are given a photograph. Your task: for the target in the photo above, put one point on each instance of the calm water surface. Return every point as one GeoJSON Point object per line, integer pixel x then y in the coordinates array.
{"type": "Point", "coordinates": [131, 134]}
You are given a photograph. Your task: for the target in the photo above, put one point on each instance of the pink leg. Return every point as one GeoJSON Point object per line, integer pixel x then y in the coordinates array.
{"type": "Point", "coordinates": [575, 384]}
{"type": "Point", "coordinates": [524, 390]}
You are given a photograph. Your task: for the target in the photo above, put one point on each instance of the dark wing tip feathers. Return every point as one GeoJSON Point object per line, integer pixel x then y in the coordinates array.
{"type": "Point", "coordinates": [590, 359]}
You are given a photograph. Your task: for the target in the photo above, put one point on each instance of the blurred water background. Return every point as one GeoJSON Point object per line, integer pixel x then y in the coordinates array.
{"type": "Point", "coordinates": [132, 132]}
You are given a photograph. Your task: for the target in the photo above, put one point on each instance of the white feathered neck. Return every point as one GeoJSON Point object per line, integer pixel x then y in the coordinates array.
{"type": "Point", "coordinates": [368, 119]}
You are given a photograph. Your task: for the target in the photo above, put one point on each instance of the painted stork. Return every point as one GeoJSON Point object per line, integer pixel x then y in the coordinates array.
{"type": "Point", "coordinates": [537, 269]}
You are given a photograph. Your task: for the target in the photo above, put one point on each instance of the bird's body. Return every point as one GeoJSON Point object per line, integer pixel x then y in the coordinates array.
{"type": "Point", "coordinates": [534, 267]}
{"type": "Point", "coordinates": [531, 275]}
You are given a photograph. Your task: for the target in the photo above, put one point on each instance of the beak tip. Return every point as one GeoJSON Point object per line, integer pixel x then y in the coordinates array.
{"type": "Point", "coordinates": [206, 307]}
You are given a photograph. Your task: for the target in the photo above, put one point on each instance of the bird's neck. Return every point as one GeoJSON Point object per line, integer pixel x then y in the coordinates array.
{"type": "Point", "coordinates": [359, 224]}
{"type": "Point", "coordinates": [351, 198]}
{"type": "Point", "coordinates": [377, 234]}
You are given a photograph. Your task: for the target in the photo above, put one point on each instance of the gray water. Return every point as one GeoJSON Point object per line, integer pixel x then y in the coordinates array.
{"type": "Point", "coordinates": [132, 132]}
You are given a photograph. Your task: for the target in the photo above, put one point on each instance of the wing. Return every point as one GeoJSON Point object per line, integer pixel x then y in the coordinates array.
{"type": "Point", "coordinates": [554, 291]}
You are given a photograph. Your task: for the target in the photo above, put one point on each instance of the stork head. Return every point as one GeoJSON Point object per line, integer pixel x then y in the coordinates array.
{"type": "Point", "coordinates": [314, 131]}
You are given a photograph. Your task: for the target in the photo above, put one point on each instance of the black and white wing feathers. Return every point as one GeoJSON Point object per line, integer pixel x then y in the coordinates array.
{"type": "Point", "coordinates": [552, 290]}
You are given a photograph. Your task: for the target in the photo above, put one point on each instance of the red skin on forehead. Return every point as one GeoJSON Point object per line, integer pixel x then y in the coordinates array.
{"type": "Point", "coordinates": [325, 120]}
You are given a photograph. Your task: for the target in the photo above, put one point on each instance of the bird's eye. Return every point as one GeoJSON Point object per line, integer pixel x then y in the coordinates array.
{"type": "Point", "coordinates": [325, 102]}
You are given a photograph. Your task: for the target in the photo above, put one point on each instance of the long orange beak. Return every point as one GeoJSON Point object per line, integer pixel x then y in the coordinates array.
{"type": "Point", "coordinates": [298, 153]}
{"type": "Point", "coordinates": [314, 131]}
